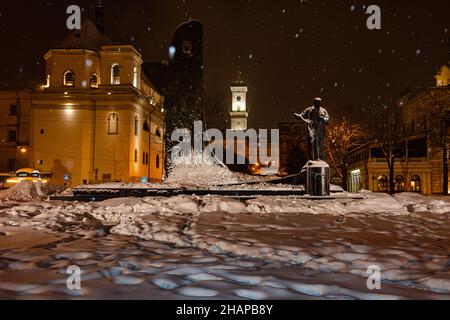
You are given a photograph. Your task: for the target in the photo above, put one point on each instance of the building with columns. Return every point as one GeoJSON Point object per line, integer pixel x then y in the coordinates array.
{"type": "Point", "coordinates": [420, 168]}
{"type": "Point", "coordinates": [96, 118]}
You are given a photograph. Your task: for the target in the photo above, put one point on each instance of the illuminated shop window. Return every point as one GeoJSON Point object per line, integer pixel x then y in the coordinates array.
{"type": "Point", "coordinates": [399, 183]}
{"type": "Point", "coordinates": [416, 184]}
{"type": "Point", "coordinates": [383, 184]}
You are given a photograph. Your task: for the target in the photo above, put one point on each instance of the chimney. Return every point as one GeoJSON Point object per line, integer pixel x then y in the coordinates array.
{"type": "Point", "coordinates": [100, 16]}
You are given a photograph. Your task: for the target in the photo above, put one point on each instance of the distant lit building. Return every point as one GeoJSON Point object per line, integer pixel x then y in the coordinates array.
{"type": "Point", "coordinates": [293, 146]}
{"type": "Point", "coordinates": [239, 113]}
{"type": "Point", "coordinates": [97, 118]}
{"type": "Point", "coordinates": [420, 167]}
{"type": "Point", "coordinates": [15, 110]}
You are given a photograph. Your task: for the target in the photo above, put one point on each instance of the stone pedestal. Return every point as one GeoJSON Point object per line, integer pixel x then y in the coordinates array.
{"type": "Point", "coordinates": [317, 178]}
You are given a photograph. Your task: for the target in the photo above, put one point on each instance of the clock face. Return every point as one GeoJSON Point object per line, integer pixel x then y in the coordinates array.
{"type": "Point", "coordinates": [239, 99]}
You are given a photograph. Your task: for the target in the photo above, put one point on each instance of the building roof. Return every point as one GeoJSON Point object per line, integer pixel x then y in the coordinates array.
{"type": "Point", "coordinates": [89, 37]}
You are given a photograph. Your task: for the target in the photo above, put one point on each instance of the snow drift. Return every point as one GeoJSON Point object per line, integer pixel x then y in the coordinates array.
{"type": "Point", "coordinates": [207, 173]}
{"type": "Point", "coordinates": [25, 191]}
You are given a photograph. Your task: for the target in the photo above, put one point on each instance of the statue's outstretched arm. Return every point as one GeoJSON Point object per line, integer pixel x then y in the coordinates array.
{"type": "Point", "coordinates": [326, 116]}
{"type": "Point", "coordinates": [298, 116]}
{"type": "Point", "coordinates": [301, 116]}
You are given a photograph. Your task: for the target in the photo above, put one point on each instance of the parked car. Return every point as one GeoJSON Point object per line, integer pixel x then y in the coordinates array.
{"type": "Point", "coordinates": [26, 174]}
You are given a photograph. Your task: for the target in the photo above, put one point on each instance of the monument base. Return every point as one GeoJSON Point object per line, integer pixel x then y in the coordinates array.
{"type": "Point", "coordinates": [318, 183]}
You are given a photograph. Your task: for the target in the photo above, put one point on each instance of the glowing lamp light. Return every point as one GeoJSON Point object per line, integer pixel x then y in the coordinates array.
{"type": "Point", "coordinates": [69, 111]}
{"type": "Point", "coordinates": [172, 52]}
{"type": "Point", "coordinates": [23, 150]}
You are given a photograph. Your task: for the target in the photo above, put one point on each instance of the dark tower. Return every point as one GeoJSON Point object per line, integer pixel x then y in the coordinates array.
{"type": "Point", "coordinates": [100, 16]}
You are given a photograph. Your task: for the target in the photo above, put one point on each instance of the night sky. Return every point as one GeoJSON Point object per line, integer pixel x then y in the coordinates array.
{"type": "Point", "coordinates": [289, 51]}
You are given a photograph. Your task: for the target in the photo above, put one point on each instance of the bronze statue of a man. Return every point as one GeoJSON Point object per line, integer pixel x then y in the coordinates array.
{"type": "Point", "coordinates": [317, 119]}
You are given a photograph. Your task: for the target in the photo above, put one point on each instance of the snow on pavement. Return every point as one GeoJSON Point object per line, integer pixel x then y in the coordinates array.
{"type": "Point", "coordinates": [117, 267]}
{"type": "Point", "coordinates": [213, 247]}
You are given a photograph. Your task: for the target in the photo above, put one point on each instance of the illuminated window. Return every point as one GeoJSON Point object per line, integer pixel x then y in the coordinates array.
{"type": "Point", "coordinates": [135, 77]}
{"type": "Point", "coordinates": [136, 126]}
{"type": "Point", "coordinates": [115, 74]}
{"type": "Point", "coordinates": [399, 183]}
{"type": "Point", "coordinates": [113, 123]}
{"type": "Point", "coordinates": [416, 184]}
{"type": "Point", "coordinates": [383, 184]}
{"type": "Point", "coordinates": [69, 79]}
{"type": "Point", "coordinates": [93, 81]}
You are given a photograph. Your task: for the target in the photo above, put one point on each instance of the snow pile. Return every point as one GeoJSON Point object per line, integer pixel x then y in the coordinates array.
{"type": "Point", "coordinates": [25, 191]}
{"type": "Point", "coordinates": [130, 185]}
{"type": "Point", "coordinates": [376, 203]}
{"type": "Point", "coordinates": [418, 203]}
{"type": "Point", "coordinates": [207, 175]}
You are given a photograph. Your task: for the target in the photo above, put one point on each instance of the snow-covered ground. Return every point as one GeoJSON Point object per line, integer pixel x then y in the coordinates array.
{"type": "Point", "coordinates": [213, 247]}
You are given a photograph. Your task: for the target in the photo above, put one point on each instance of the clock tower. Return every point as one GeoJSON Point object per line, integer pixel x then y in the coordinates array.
{"type": "Point", "coordinates": [239, 114]}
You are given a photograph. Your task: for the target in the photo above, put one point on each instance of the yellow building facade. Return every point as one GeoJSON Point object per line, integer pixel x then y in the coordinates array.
{"type": "Point", "coordinates": [420, 169]}
{"type": "Point", "coordinates": [96, 119]}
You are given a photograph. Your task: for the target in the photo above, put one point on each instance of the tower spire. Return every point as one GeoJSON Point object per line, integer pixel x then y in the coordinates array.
{"type": "Point", "coordinates": [100, 16]}
{"type": "Point", "coordinates": [239, 80]}
{"type": "Point", "coordinates": [448, 51]}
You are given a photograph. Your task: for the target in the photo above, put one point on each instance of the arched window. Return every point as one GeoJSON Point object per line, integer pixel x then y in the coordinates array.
{"type": "Point", "coordinates": [93, 81]}
{"type": "Point", "coordinates": [69, 79]}
{"type": "Point", "coordinates": [136, 126]}
{"type": "Point", "coordinates": [157, 161]}
{"type": "Point", "coordinates": [113, 123]}
{"type": "Point", "coordinates": [158, 133]}
{"type": "Point", "coordinates": [115, 74]}
{"type": "Point", "coordinates": [146, 126]}
{"type": "Point", "coordinates": [399, 183]}
{"type": "Point", "coordinates": [383, 184]}
{"type": "Point", "coordinates": [135, 155]}
{"type": "Point", "coordinates": [135, 77]}
{"type": "Point", "coordinates": [416, 184]}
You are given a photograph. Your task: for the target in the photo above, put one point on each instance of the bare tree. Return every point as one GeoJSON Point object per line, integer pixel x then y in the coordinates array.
{"type": "Point", "coordinates": [385, 133]}
{"type": "Point", "coordinates": [342, 136]}
{"type": "Point", "coordinates": [438, 115]}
